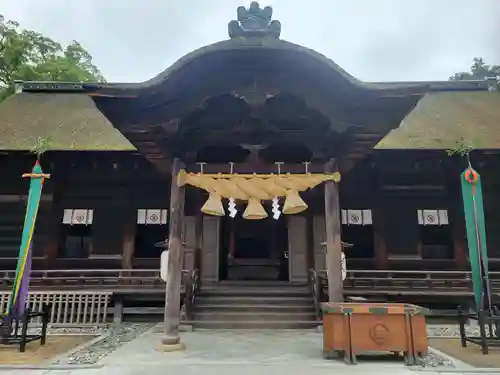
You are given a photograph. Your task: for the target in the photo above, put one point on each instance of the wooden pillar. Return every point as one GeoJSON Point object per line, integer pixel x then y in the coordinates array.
{"type": "Point", "coordinates": [458, 231]}
{"type": "Point", "coordinates": [381, 256]}
{"type": "Point", "coordinates": [333, 241]}
{"type": "Point", "coordinates": [171, 340]}
{"type": "Point", "coordinates": [379, 231]}
{"type": "Point", "coordinates": [51, 227]}
{"type": "Point", "coordinates": [456, 216]}
{"type": "Point", "coordinates": [198, 239]}
{"type": "Point", "coordinates": [379, 220]}
{"type": "Point", "coordinates": [129, 245]}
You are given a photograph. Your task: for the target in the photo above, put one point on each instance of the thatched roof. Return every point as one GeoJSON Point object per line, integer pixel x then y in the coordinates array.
{"type": "Point", "coordinates": [72, 122]}
{"type": "Point", "coordinates": [442, 119]}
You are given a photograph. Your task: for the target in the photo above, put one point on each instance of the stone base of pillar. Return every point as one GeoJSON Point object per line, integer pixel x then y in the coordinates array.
{"type": "Point", "coordinates": [161, 347]}
{"type": "Point", "coordinates": [170, 344]}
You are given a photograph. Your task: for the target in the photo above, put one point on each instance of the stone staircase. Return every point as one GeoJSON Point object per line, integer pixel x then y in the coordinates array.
{"type": "Point", "coordinates": [254, 305]}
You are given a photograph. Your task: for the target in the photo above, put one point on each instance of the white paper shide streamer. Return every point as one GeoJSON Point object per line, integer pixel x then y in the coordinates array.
{"type": "Point", "coordinates": [276, 209]}
{"type": "Point", "coordinates": [232, 208]}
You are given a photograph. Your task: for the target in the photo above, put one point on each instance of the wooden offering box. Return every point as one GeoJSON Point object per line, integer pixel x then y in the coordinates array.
{"type": "Point", "coordinates": [353, 328]}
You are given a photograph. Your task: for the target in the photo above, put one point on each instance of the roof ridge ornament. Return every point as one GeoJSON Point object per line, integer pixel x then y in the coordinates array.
{"type": "Point", "coordinates": [254, 22]}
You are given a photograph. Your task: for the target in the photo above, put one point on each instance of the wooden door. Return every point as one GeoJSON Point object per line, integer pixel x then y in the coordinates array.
{"type": "Point", "coordinates": [297, 248]}
{"type": "Point", "coordinates": [210, 250]}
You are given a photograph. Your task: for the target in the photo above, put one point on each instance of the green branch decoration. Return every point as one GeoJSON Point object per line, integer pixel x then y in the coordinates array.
{"type": "Point", "coordinates": [462, 148]}
{"type": "Point", "coordinates": [42, 145]}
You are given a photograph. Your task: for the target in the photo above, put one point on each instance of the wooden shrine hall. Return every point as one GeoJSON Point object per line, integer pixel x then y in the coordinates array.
{"type": "Point", "coordinates": [256, 157]}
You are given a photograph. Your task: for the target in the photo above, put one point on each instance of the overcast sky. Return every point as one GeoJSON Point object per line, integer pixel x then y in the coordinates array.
{"type": "Point", "coordinates": [374, 40]}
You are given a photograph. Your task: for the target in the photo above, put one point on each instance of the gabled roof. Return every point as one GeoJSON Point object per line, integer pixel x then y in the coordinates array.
{"type": "Point", "coordinates": [71, 120]}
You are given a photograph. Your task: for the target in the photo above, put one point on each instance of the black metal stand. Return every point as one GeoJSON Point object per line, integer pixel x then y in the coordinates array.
{"type": "Point", "coordinates": [484, 318]}
{"type": "Point", "coordinates": [9, 331]}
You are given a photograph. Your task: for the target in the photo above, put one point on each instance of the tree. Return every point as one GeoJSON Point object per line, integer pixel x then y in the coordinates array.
{"type": "Point", "coordinates": [27, 55]}
{"type": "Point", "coordinates": [478, 70]}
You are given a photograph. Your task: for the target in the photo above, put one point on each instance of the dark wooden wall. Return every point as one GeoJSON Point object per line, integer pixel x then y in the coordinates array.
{"type": "Point", "coordinates": [114, 185]}
{"type": "Point", "coordinates": [393, 184]}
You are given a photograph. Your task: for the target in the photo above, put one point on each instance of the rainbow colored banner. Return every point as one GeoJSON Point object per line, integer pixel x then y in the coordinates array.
{"type": "Point", "coordinates": [17, 300]}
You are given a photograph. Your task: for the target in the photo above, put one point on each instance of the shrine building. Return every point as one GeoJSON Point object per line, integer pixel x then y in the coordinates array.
{"type": "Point", "coordinates": [270, 155]}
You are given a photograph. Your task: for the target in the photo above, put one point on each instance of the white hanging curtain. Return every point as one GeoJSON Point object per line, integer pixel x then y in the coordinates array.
{"type": "Point", "coordinates": [432, 217]}
{"type": "Point", "coordinates": [152, 216]}
{"type": "Point", "coordinates": [357, 217]}
{"type": "Point", "coordinates": [78, 216]}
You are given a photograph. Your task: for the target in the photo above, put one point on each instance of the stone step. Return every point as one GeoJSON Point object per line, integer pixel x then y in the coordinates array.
{"type": "Point", "coordinates": [251, 324]}
{"type": "Point", "coordinates": [254, 316]}
{"type": "Point", "coordinates": [249, 291]}
{"type": "Point", "coordinates": [261, 283]}
{"type": "Point", "coordinates": [207, 307]}
{"type": "Point", "coordinates": [254, 300]}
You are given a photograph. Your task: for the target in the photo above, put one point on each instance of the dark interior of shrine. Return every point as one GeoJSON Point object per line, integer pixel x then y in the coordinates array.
{"type": "Point", "coordinates": [253, 249]}
{"type": "Point", "coordinates": [146, 237]}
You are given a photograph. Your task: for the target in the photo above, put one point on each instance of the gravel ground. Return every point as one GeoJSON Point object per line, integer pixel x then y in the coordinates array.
{"type": "Point", "coordinates": [115, 337]}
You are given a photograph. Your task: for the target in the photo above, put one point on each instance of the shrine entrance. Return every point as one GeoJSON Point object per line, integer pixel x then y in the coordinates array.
{"type": "Point", "coordinates": [253, 249]}
{"type": "Point", "coordinates": [249, 121]}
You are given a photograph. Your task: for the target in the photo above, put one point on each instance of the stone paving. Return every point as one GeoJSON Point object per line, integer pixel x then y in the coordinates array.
{"type": "Point", "coordinates": [130, 350]}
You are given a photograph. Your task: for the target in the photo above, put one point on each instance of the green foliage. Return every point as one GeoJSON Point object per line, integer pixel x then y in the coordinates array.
{"type": "Point", "coordinates": [478, 70]}
{"type": "Point", "coordinates": [27, 55]}
{"type": "Point", "coordinates": [42, 145]}
{"type": "Point", "coordinates": [462, 148]}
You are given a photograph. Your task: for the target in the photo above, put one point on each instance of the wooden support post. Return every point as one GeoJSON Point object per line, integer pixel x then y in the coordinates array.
{"type": "Point", "coordinates": [198, 230]}
{"type": "Point", "coordinates": [379, 221]}
{"type": "Point", "coordinates": [51, 228]}
{"type": "Point", "coordinates": [171, 339]}
{"type": "Point", "coordinates": [128, 246]}
{"type": "Point", "coordinates": [452, 171]}
{"type": "Point", "coordinates": [118, 311]}
{"type": "Point", "coordinates": [198, 239]}
{"type": "Point", "coordinates": [458, 231]}
{"type": "Point", "coordinates": [333, 241]}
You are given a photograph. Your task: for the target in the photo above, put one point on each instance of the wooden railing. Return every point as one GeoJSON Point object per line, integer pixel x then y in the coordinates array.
{"type": "Point", "coordinates": [103, 279]}
{"type": "Point", "coordinates": [387, 282]}
{"type": "Point", "coordinates": [67, 309]}
{"type": "Point", "coordinates": [358, 282]}
{"type": "Point", "coordinates": [315, 286]}
{"type": "Point", "coordinates": [191, 286]}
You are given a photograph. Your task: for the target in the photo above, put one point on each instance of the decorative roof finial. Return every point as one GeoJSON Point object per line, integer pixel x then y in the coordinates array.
{"type": "Point", "coordinates": [254, 22]}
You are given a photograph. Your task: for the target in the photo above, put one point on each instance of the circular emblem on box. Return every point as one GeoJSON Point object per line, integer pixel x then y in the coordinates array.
{"type": "Point", "coordinates": [379, 333]}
